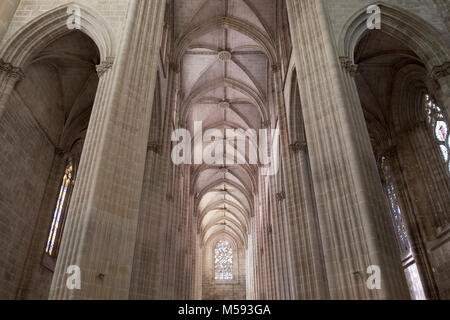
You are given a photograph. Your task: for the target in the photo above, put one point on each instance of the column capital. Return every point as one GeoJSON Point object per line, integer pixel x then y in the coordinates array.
{"type": "Point", "coordinates": [349, 66]}
{"type": "Point", "coordinates": [11, 71]}
{"type": "Point", "coordinates": [276, 67]}
{"type": "Point", "coordinates": [441, 71]}
{"type": "Point", "coordinates": [298, 146]}
{"type": "Point", "coordinates": [104, 66]}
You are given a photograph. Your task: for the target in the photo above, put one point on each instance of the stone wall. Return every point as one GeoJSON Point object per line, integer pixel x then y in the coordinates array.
{"type": "Point", "coordinates": [27, 148]}
{"type": "Point", "coordinates": [113, 11]}
{"type": "Point", "coordinates": [340, 11]}
{"type": "Point", "coordinates": [221, 290]}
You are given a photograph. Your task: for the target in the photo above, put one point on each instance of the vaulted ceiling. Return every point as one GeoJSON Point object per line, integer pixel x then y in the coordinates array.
{"type": "Point", "coordinates": [63, 75]}
{"type": "Point", "coordinates": [384, 62]}
{"type": "Point", "coordinates": [224, 56]}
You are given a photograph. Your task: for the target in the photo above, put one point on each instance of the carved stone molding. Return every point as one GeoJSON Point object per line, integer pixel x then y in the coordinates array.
{"type": "Point", "coordinates": [276, 67]}
{"type": "Point", "coordinates": [440, 72]}
{"type": "Point", "coordinates": [103, 67]}
{"type": "Point", "coordinates": [224, 104]}
{"type": "Point", "coordinates": [11, 71]}
{"type": "Point", "coordinates": [224, 55]}
{"type": "Point", "coordinates": [347, 65]}
{"type": "Point", "coordinates": [298, 146]}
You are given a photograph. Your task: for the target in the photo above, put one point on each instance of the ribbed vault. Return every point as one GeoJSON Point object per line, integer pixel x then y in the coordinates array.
{"type": "Point", "coordinates": [224, 53]}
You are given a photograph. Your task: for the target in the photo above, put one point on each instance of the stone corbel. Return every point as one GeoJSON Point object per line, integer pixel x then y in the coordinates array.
{"type": "Point", "coordinates": [276, 67]}
{"type": "Point", "coordinates": [440, 72]}
{"type": "Point", "coordinates": [11, 71]}
{"type": "Point", "coordinates": [347, 65]}
{"type": "Point", "coordinates": [103, 67]}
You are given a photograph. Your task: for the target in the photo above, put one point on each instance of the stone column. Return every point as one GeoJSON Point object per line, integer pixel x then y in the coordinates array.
{"type": "Point", "coordinates": [100, 231]}
{"type": "Point", "coordinates": [355, 229]}
{"type": "Point", "coordinates": [148, 268]}
{"type": "Point", "coordinates": [7, 10]}
{"type": "Point", "coordinates": [307, 279]}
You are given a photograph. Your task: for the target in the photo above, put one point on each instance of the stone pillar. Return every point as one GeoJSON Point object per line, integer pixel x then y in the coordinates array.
{"type": "Point", "coordinates": [306, 272]}
{"type": "Point", "coordinates": [100, 230]}
{"type": "Point", "coordinates": [7, 10]}
{"type": "Point", "coordinates": [148, 268]}
{"type": "Point", "coordinates": [354, 223]}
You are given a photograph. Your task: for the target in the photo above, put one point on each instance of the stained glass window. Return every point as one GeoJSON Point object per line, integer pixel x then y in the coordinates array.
{"type": "Point", "coordinates": [438, 123]}
{"type": "Point", "coordinates": [399, 223]}
{"type": "Point", "coordinates": [59, 214]}
{"type": "Point", "coordinates": [223, 261]}
{"type": "Point", "coordinates": [411, 271]}
{"type": "Point", "coordinates": [414, 282]}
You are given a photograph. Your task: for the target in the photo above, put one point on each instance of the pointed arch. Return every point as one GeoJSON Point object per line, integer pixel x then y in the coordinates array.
{"type": "Point", "coordinates": [43, 30]}
{"type": "Point", "coordinates": [419, 35]}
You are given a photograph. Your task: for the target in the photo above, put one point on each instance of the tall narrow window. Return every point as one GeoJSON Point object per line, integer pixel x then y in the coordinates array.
{"type": "Point", "coordinates": [60, 211]}
{"type": "Point", "coordinates": [439, 125]}
{"type": "Point", "coordinates": [399, 223]}
{"type": "Point", "coordinates": [223, 261]}
{"type": "Point", "coordinates": [410, 266]}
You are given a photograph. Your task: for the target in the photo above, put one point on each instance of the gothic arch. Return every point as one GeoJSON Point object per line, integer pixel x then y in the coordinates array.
{"type": "Point", "coordinates": [40, 32]}
{"type": "Point", "coordinates": [404, 26]}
